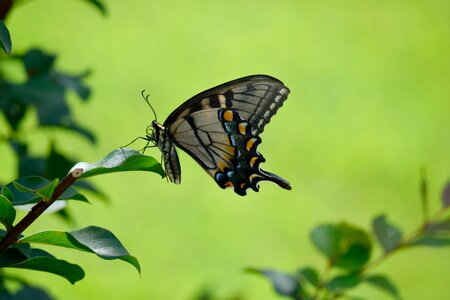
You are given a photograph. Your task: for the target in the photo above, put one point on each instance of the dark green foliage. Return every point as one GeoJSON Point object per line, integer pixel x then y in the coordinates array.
{"type": "Point", "coordinates": [5, 38]}
{"type": "Point", "coordinates": [93, 239]}
{"type": "Point", "coordinates": [71, 272]}
{"type": "Point", "coordinates": [383, 283]}
{"type": "Point", "coordinates": [343, 282]}
{"type": "Point", "coordinates": [29, 292]}
{"type": "Point", "coordinates": [99, 5]}
{"type": "Point", "coordinates": [284, 284]}
{"type": "Point", "coordinates": [26, 190]}
{"type": "Point", "coordinates": [7, 212]}
{"type": "Point", "coordinates": [345, 246]}
{"type": "Point", "coordinates": [44, 91]}
{"type": "Point", "coordinates": [347, 249]}
{"type": "Point", "coordinates": [326, 239]}
{"type": "Point", "coordinates": [387, 234]}
{"type": "Point", "coordinates": [310, 275]}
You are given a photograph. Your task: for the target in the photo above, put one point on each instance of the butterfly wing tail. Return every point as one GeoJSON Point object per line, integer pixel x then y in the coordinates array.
{"type": "Point", "coordinates": [267, 176]}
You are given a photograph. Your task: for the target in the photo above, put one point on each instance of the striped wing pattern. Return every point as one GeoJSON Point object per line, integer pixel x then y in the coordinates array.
{"type": "Point", "coordinates": [220, 129]}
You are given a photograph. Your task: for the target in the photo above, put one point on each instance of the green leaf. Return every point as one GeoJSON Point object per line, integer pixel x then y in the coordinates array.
{"type": "Point", "coordinates": [71, 272]}
{"type": "Point", "coordinates": [29, 292]}
{"type": "Point", "coordinates": [13, 109]}
{"type": "Point", "coordinates": [57, 165]}
{"type": "Point", "coordinates": [343, 282]}
{"type": "Point", "coordinates": [5, 38]}
{"type": "Point", "coordinates": [72, 194]}
{"type": "Point", "coordinates": [326, 239]}
{"type": "Point", "coordinates": [310, 274]}
{"type": "Point", "coordinates": [46, 89]}
{"type": "Point", "coordinates": [120, 160]}
{"type": "Point", "coordinates": [431, 241]}
{"type": "Point", "coordinates": [446, 196]}
{"type": "Point", "coordinates": [90, 239]}
{"type": "Point", "coordinates": [99, 5]}
{"type": "Point", "coordinates": [381, 282]}
{"type": "Point", "coordinates": [24, 190]}
{"type": "Point", "coordinates": [387, 234]}
{"type": "Point", "coordinates": [7, 212]}
{"type": "Point", "coordinates": [47, 191]}
{"type": "Point", "coordinates": [354, 247]}
{"type": "Point", "coordinates": [21, 188]}
{"type": "Point", "coordinates": [284, 284]}
{"type": "Point", "coordinates": [346, 246]}
{"type": "Point", "coordinates": [37, 62]}
{"type": "Point", "coordinates": [7, 193]}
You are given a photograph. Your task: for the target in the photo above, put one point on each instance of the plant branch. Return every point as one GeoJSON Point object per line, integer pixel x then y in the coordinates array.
{"type": "Point", "coordinates": [405, 243]}
{"type": "Point", "coordinates": [324, 278]}
{"type": "Point", "coordinates": [13, 234]}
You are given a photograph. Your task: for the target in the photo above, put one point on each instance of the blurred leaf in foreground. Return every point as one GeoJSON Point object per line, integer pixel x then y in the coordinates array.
{"type": "Point", "coordinates": [284, 284]}
{"type": "Point", "coordinates": [345, 245]}
{"type": "Point", "coordinates": [387, 234]}
{"type": "Point", "coordinates": [5, 38]}
{"type": "Point", "coordinates": [383, 283]}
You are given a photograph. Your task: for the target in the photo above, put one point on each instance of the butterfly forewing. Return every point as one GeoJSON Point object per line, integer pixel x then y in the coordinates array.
{"type": "Point", "coordinates": [220, 129]}
{"type": "Point", "coordinates": [257, 98]}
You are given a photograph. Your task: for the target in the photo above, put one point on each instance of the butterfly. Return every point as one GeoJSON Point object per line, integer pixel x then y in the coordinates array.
{"type": "Point", "coordinates": [220, 129]}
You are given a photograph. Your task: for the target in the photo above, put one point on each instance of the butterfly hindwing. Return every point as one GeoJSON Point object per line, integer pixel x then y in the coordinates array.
{"type": "Point", "coordinates": [243, 172]}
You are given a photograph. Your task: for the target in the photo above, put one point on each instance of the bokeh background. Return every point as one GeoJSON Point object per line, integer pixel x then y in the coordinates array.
{"type": "Point", "coordinates": [369, 105]}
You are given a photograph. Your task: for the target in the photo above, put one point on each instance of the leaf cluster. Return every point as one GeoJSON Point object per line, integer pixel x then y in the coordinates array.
{"type": "Point", "coordinates": [347, 250]}
{"type": "Point", "coordinates": [18, 250]}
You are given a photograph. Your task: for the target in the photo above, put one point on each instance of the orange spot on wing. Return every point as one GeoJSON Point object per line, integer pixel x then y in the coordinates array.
{"type": "Point", "coordinates": [227, 157]}
{"type": "Point", "coordinates": [242, 127]}
{"type": "Point", "coordinates": [228, 184]}
{"type": "Point", "coordinates": [242, 185]}
{"type": "Point", "coordinates": [250, 143]}
{"type": "Point", "coordinates": [230, 150]}
{"type": "Point", "coordinates": [228, 116]}
{"type": "Point", "coordinates": [221, 165]}
{"type": "Point", "coordinates": [253, 161]}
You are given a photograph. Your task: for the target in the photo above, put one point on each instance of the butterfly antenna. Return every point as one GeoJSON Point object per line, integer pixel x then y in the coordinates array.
{"type": "Point", "coordinates": [148, 102]}
{"type": "Point", "coordinates": [139, 137]}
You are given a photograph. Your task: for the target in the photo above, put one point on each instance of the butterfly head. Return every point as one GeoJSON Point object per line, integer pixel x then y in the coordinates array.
{"type": "Point", "coordinates": [153, 133]}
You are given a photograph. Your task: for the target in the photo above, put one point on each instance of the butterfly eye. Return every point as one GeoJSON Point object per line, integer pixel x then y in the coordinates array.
{"type": "Point", "coordinates": [150, 134]}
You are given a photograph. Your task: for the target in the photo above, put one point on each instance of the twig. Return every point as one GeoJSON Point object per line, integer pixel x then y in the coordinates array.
{"type": "Point", "coordinates": [324, 278]}
{"type": "Point", "coordinates": [13, 234]}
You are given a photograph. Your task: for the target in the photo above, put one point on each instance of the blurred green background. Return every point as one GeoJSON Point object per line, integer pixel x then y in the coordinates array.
{"type": "Point", "coordinates": [369, 105]}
